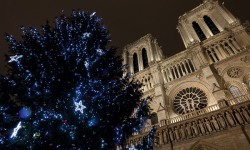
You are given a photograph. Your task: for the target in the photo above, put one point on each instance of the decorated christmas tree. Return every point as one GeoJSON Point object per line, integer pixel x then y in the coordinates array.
{"type": "Point", "coordinates": [66, 89]}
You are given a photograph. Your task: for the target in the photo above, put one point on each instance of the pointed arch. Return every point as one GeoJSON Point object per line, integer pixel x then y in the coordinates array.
{"type": "Point", "coordinates": [144, 58]}
{"type": "Point", "coordinates": [135, 63]}
{"type": "Point", "coordinates": [235, 91]}
{"type": "Point", "coordinates": [199, 31]}
{"type": "Point", "coordinates": [213, 28]}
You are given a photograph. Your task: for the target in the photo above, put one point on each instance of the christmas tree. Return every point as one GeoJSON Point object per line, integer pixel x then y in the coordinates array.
{"type": "Point", "coordinates": [66, 89]}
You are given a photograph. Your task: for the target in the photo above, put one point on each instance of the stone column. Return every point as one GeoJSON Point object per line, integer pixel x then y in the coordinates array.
{"type": "Point", "coordinates": [204, 27]}
{"type": "Point", "coordinates": [131, 64]}
{"type": "Point", "coordinates": [182, 36]}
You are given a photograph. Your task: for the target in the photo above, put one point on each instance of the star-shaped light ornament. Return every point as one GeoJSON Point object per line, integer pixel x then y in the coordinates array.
{"type": "Point", "coordinates": [16, 129]}
{"type": "Point", "coordinates": [15, 58]}
{"type": "Point", "coordinates": [79, 106]}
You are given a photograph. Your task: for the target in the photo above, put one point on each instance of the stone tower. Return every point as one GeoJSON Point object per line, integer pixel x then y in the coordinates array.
{"type": "Point", "coordinates": [202, 91]}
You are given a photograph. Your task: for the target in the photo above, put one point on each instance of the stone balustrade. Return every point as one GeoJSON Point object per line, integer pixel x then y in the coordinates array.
{"type": "Point", "coordinates": [239, 99]}
{"type": "Point", "coordinates": [194, 113]}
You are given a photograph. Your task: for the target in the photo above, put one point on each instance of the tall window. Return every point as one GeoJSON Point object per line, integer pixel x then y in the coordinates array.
{"type": "Point", "coordinates": [235, 91]}
{"type": "Point", "coordinates": [212, 54]}
{"type": "Point", "coordinates": [211, 25]}
{"type": "Point", "coordinates": [198, 31]}
{"type": "Point", "coordinates": [135, 63]}
{"type": "Point", "coordinates": [154, 118]}
{"type": "Point", "coordinates": [144, 58]}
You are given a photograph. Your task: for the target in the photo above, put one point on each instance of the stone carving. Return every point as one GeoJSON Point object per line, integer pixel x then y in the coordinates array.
{"type": "Point", "coordinates": [219, 70]}
{"type": "Point", "coordinates": [165, 139]}
{"type": "Point", "coordinates": [245, 114]}
{"type": "Point", "coordinates": [170, 132]}
{"type": "Point", "coordinates": [222, 121]}
{"type": "Point", "coordinates": [238, 117]}
{"type": "Point", "coordinates": [182, 132]}
{"type": "Point", "coordinates": [234, 72]}
{"type": "Point", "coordinates": [245, 59]}
{"type": "Point", "coordinates": [157, 140]}
{"type": "Point", "coordinates": [194, 129]}
{"type": "Point", "coordinates": [188, 130]}
{"type": "Point", "coordinates": [215, 123]}
{"type": "Point", "coordinates": [176, 133]}
{"type": "Point", "coordinates": [229, 118]}
{"type": "Point", "coordinates": [208, 125]}
{"type": "Point", "coordinates": [201, 127]}
{"type": "Point", "coordinates": [200, 75]}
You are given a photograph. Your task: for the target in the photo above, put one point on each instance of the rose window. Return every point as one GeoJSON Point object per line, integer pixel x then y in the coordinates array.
{"type": "Point", "coordinates": [189, 99]}
{"type": "Point", "coordinates": [234, 72]}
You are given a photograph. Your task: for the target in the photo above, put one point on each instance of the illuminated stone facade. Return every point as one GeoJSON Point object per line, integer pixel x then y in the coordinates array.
{"type": "Point", "coordinates": [201, 96]}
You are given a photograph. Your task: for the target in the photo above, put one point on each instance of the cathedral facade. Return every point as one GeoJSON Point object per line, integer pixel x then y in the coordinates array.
{"type": "Point", "coordinates": [201, 96]}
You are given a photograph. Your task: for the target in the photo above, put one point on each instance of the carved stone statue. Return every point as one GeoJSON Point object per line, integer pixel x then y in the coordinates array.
{"type": "Point", "coordinates": [160, 138]}
{"type": "Point", "coordinates": [176, 132]}
{"type": "Point", "coordinates": [222, 121]}
{"type": "Point", "coordinates": [164, 134]}
{"type": "Point", "coordinates": [230, 118]}
{"type": "Point", "coordinates": [238, 117]}
{"type": "Point", "coordinates": [188, 130]}
{"type": "Point", "coordinates": [245, 114]}
{"type": "Point", "coordinates": [157, 139]}
{"type": "Point", "coordinates": [194, 128]}
{"type": "Point", "coordinates": [215, 123]}
{"type": "Point", "coordinates": [182, 132]}
{"type": "Point", "coordinates": [170, 132]}
{"type": "Point", "coordinates": [202, 129]}
{"type": "Point", "coordinates": [208, 125]}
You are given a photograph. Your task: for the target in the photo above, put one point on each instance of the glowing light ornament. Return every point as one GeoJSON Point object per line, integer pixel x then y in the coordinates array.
{"type": "Point", "coordinates": [25, 113]}
{"type": "Point", "coordinates": [16, 129]}
{"type": "Point", "coordinates": [79, 106]}
{"type": "Point", "coordinates": [15, 58]}
{"type": "Point", "coordinates": [92, 14]}
{"type": "Point", "coordinates": [100, 52]}
{"type": "Point", "coordinates": [36, 135]}
{"type": "Point", "coordinates": [132, 148]}
{"type": "Point", "coordinates": [86, 64]}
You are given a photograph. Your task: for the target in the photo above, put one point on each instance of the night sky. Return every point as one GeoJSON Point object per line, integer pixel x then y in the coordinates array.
{"type": "Point", "coordinates": [127, 20]}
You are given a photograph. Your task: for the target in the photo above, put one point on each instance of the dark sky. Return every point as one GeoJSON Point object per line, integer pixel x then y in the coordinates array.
{"type": "Point", "coordinates": [127, 20]}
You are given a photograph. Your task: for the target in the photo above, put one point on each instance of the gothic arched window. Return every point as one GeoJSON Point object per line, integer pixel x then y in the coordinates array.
{"type": "Point", "coordinates": [144, 58]}
{"type": "Point", "coordinates": [235, 91]}
{"type": "Point", "coordinates": [211, 25]}
{"type": "Point", "coordinates": [135, 63]}
{"type": "Point", "coordinates": [212, 54]}
{"type": "Point", "coordinates": [198, 31]}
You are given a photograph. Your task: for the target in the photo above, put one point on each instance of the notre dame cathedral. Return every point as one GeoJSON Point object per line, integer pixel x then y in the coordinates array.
{"type": "Point", "coordinates": [201, 96]}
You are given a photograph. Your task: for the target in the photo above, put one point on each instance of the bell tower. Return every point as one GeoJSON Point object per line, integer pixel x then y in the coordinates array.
{"type": "Point", "coordinates": [204, 21]}
{"type": "Point", "coordinates": [140, 54]}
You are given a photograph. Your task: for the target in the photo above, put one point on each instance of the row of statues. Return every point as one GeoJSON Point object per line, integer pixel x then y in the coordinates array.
{"type": "Point", "coordinates": [207, 125]}
{"type": "Point", "coordinates": [200, 126]}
